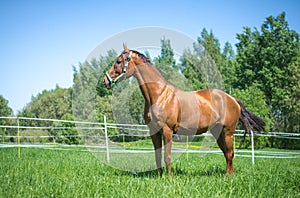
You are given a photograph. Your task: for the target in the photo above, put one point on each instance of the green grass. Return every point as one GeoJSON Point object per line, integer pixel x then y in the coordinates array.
{"type": "Point", "coordinates": [54, 173]}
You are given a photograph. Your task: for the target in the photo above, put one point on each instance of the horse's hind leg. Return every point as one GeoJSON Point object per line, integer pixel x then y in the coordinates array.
{"type": "Point", "coordinates": [157, 142]}
{"type": "Point", "coordinates": [224, 140]}
{"type": "Point", "coordinates": [229, 152]}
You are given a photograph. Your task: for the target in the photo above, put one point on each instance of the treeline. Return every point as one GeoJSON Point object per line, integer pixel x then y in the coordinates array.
{"type": "Point", "coordinates": [264, 72]}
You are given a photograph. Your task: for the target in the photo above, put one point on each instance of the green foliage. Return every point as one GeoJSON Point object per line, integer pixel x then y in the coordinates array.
{"type": "Point", "coordinates": [264, 58]}
{"type": "Point", "coordinates": [103, 65]}
{"type": "Point", "coordinates": [207, 66]}
{"type": "Point", "coordinates": [259, 142]}
{"type": "Point", "coordinates": [68, 133]}
{"type": "Point", "coordinates": [211, 45]}
{"type": "Point", "coordinates": [26, 112]}
{"type": "Point", "coordinates": [128, 103]}
{"type": "Point", "coordinates": [49, 104]}
{"type": "Point", "coordinates": [284, 143]}
{"type": "Point", "coordinates": [292, 103]}
{"type": "Point", "coordinates": [104, 107]}
{"type": "Point", "coordinates": [198, 65]}
{"type": "Point", "coordinates": [228, 68]}
{"type": "Point", "coordinates": [87, 85]}
{"type": "Point", "coordinates": [166, 64]}
{"type": "Point", "coordinates": [136, 106]}
{"type": "Point", "coordinates": [254, 100]}
{"type": "Point", "coordinates": [53, 104]}
{"type": "Point", "coordinates": [190, 70]}
{"type": "Point", "coordinates": [34, 136]}
{"type": "Point", "coordinates": [5, 111]}
{"type": "Point", "coordinates": [166, 58]}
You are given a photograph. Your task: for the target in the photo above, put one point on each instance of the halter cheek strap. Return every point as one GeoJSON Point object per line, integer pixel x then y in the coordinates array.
{"type": "Point", "coordinates": [114, 81]}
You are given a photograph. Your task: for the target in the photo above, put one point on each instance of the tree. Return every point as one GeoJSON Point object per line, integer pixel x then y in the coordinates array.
{"type": "Point", "coordinates": [68, 134]}
{"type": "Point", "coordinates": [224, 60]}
{"type": "Point", "coordinates": [191, 71]}
{"type": "Point", "coordinates": [50, 104]}
{"type": "Point", "coordinates": [53, 104]}
{"type": "Point", "coordinates": [105, 62]}
{"type": "Point", "coordinates": [166, 57]}
{"type": "Point", "coordinates": [202, 66]}
{"type": "Point", "coordinates": [228, 67]}
{"type": "Point", "coordinates": [211, 45]}
{"type": "Point", "coordinates": [166, 64]}
{"type": "Point", "coordinates": [87, 85]}
{"type": "Point", "coordinates": [254, 100]}
{"type": "Point", "coordinates": [5, 111]}
{"type": "Point", "coordinates": [293, 94]}
{"type": "Point", "coordinates": [264, 58]}
{"type": "Point", "coordinates": [28, 114]}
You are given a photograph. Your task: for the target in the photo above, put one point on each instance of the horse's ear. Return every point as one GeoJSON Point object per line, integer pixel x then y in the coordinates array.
{"type": "Point", "coordinates": [125, 48]}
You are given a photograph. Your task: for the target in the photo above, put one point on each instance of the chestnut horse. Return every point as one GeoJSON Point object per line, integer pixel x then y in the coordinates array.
{"type": "Point", "coordinates": [169, 110]}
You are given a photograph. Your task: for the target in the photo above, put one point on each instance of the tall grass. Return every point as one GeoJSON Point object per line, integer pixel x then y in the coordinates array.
{"type": "Point", "coordinates": [53, 173]}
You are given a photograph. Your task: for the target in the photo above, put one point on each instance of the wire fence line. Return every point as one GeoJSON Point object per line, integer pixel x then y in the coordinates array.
{"type": "Point", "coordinates": [123, 130]}
{"type": "Point", "coordinates": [146, 135]}
{"type": "Point", "coordinates": [267, 154]}
{"type": "Point", "coordinates": [122, 127]}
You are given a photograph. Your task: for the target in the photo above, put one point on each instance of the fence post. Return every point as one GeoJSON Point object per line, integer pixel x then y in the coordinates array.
{"type": "Point", "coordinates": [187, 147]}
{"type": "Point", "coordinates": [252, 146]}
{"type": "Point", "coordinates": [233, 141]}
{"type": "Point", "coordinates": [3, 135]}
{"type": "Point", "coordinates": [19, 142]}
{"type": "Point", "coordinates": [106, 139]}
{"type": "Point", "coordinates": [124, 146]}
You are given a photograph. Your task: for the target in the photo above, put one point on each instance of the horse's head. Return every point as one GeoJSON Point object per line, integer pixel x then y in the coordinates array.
{"type": "Point", "coordinates": [122, 68]}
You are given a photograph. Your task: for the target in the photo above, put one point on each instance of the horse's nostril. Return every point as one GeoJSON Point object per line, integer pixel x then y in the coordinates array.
{"type": "Point", "coordinates": [104, 83]}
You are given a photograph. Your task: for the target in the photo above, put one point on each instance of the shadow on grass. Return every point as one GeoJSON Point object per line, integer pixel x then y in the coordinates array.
{"type": "Point", "coordinates": [211, 171]}
{"type": "Point", "coordinates": [176, 171]}
{"type": "Point", "coordinates": [146, 174]}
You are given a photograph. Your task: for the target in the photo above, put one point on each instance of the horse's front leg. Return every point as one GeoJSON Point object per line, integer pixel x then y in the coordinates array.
{"type": "Point", "coordinates": [168, 133]}
{"type": "Point", "coordinates": [157, 142]}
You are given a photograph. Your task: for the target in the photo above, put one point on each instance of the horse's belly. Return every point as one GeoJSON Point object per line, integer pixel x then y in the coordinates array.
{"type": "Point", "coordinates": [190, 131]}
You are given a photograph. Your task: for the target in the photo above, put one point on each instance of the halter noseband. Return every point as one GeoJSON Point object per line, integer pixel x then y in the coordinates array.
{"type": "Point", "coordinates": [113, 82]}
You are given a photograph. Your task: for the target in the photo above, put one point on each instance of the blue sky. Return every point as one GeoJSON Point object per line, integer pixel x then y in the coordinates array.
{"type": "Point", "coordinates": [41, 40]}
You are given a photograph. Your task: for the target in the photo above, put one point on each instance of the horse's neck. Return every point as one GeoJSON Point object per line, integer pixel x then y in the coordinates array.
{"type": "Point", "coordinates": [151, 82]}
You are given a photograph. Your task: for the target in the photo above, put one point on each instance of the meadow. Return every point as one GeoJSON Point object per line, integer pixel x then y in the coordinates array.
{"type": "Point", "coordinates": [71, 173]}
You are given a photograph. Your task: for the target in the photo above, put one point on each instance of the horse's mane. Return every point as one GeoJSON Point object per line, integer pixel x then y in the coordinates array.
{"type": "Point", "coordinates": [146, 60]}
{"type": "Point", "coordinates": [142, 56]}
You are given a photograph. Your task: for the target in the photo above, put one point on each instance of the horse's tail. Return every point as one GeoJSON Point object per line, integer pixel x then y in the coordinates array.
{"type": "Point", "coordinates": [250, 121]}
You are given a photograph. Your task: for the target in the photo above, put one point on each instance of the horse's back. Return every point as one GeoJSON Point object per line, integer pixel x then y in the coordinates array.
{"type": "Point", "coordinates": [223, 105]}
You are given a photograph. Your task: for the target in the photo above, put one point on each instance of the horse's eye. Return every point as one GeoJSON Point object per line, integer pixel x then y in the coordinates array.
{"type": "Point", "coordinates": [118, 61]}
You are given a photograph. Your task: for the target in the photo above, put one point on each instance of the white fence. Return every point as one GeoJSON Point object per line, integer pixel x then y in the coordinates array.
{"type": "Point", "coordinates": [133, 130]}
{"type": "Point", "coordinates": [124, 127]}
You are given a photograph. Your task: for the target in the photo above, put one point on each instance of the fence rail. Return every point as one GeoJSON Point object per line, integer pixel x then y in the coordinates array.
{"type": "Point", "coordinates": [124, 130]}
{"type": "Point", "coordinates": [121, 127]}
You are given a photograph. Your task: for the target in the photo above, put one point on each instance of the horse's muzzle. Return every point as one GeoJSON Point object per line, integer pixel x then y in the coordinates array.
{"type": "Point", "coordinates": [106, 83]}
